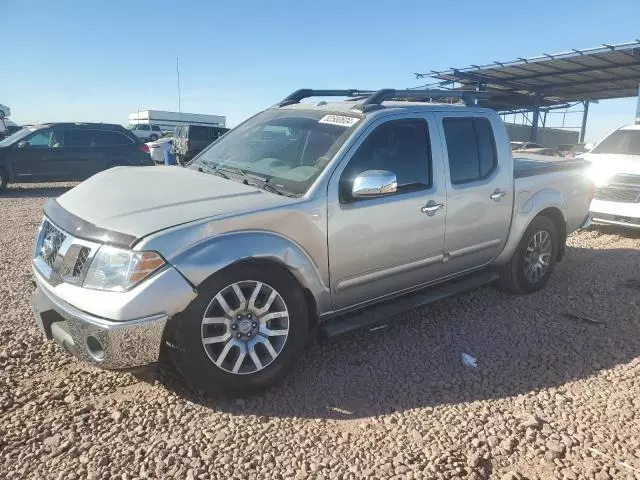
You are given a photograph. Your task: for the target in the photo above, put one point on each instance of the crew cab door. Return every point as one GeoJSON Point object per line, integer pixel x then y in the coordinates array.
{"type": "Point", "coordinates": [479, 188]}
{"type": "Point", "coordinates": [389, 243]}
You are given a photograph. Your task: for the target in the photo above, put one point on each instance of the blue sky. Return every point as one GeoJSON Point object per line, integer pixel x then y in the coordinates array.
{"type": "Point", "coordinates": [98, 61]}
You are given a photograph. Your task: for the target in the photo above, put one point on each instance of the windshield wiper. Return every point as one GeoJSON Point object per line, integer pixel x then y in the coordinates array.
{"type": "Point", "coordinates": [250, 179]}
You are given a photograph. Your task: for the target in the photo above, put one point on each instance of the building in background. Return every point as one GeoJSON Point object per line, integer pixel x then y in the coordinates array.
{"type": "Point", "coordinates": [546, 136]}
{"type": "Point", "coordinates": [168, 121]}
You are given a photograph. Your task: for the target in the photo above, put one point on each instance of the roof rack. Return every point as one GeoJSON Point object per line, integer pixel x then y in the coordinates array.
{"type": "Point", "coordinates": [298, 95]}
{"type": "Point", "coordinates": [373, 99]}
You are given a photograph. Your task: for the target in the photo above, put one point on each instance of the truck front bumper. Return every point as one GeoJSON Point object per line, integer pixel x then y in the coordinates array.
{"type": "Point", "coordinates": [105, 343]}
{"type": "Point", "coordinates": [615, 213]}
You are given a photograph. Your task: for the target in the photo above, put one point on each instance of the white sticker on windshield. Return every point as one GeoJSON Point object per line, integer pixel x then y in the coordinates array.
{"type": "Point", "coordinates": [340, 120]}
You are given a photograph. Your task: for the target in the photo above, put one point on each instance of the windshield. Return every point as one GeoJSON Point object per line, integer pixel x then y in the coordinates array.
{"type": "Point", "coordinates": [16, 137]}
{"type": "Point", "coordinates": [623, 142]}
{"type": "Point", "coordinates": [287, 148]}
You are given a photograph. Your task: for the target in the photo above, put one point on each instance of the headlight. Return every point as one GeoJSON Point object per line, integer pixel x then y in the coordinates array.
{"type": "Point", "coordinates": [600, 174]}
{"type": "Point", "coordinates": [115, 270]}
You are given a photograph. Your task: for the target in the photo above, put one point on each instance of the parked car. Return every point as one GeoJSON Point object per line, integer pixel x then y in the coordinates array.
{"type": "Point", "coordinates": [547, 152]}
{"type": "Point", "coordinates": [145, 132]}
{"type": "Point", "coordinates": [525, 145]}
{"type": "Point", "coordinates": [157, 148]}
{"type": "Point", "coordinates": [616, 171]}
{"type": "Point", "coordinates": [305, 217]}
{"type": "Point", "coordinates": [192, 139]}
{"type": "Point", "coordinates": [60, 152]}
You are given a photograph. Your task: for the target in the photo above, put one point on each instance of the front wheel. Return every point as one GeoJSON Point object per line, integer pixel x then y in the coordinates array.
{"type": "Point", "coordinates": [531, 265]}
{"type": "Point", "coordinates": [242, 333]}
{"type": "Point", "coordinates": [153, 138]}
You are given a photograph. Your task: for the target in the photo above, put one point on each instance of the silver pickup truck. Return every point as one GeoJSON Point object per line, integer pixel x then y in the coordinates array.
{"type": "Point", "coordinates": [306, 217]}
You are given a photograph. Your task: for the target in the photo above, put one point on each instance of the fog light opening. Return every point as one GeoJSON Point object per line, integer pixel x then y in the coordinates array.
{"type": "Point", "coordinates": [95, 348]}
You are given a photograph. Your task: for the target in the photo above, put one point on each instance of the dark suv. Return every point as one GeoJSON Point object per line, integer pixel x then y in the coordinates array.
{"type": "Point", "coordinates": [189, 140]}
{"type": "Point", "coordinates": [59, 152]}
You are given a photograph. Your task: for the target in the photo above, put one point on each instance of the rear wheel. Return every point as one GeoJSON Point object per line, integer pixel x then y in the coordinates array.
{"type": "Point", "coordinates": [242, 333]}
{"type": "Point", "coordinates": [532, 264]}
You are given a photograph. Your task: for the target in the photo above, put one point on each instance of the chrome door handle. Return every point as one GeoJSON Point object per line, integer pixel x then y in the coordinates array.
{"type": "Point", "coordinates": [497, 195]}
{"type": "Point", "coordinates": [432, 207]}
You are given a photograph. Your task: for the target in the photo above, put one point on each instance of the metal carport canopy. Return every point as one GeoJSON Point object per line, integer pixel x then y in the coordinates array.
{"type": "Point", "coordinates": [609, 71]}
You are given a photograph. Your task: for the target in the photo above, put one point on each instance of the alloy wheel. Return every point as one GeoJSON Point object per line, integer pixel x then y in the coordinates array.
{"type": "Point", "coordinates": [245, 327]}
{"type": "Point", "coordinates": [537, 258]}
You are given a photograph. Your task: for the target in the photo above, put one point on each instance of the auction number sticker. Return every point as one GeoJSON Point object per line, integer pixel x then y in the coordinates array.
{"type": "Point", "coordinates": [341, 120]}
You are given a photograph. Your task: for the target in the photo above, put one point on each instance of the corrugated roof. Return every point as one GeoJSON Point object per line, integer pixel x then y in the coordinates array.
{"type": "Point", "coordinates": [609, 71]}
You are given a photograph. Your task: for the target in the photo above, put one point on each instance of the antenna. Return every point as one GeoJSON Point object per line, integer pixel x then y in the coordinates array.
{"type": "Point", "coordinates": [179, 98]}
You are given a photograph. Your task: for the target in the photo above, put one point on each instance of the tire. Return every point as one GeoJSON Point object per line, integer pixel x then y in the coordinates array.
{"type": "Point", "coordinates": [517, 276]}
{"type": "Point", "coordinates": [187, 334]}
{"type": "Point", "coordinates": [153, 138]}
{"type": "Point", "coordinates": [4, 180]}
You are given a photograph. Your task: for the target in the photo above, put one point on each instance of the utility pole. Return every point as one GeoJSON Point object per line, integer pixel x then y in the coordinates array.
{"type": "Point", "coordinates": [179, 98]}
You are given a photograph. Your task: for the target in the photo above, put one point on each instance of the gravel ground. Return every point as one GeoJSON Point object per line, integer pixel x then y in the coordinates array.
{"type": "Point", "coordinates": [552, 396]}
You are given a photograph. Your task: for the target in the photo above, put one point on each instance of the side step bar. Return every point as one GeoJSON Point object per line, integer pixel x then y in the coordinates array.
{"type": "Point", "coordinates": [383, 312]}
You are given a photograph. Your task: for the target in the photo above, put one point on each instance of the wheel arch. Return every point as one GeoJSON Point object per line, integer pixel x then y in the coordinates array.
{"type": "Point", "coordinates": [201, 261]}
{"type": "Point", "coordinates": [547, 202]}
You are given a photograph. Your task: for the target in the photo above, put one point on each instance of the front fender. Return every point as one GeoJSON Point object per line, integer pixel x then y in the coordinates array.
{"type": "Point", "coordinates": [527, 208]}
{"type": "Point", "coordinates": [202, 260]}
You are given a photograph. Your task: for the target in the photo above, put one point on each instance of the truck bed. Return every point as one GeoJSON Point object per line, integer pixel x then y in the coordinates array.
{"type": "Point", "coordinates": [538, 165]}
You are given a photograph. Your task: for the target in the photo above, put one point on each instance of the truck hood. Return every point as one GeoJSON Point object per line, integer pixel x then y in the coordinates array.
{"type": "Point", "coordinates": [612, 164]}
{"type": "Point", "coordinates": [138, 201]}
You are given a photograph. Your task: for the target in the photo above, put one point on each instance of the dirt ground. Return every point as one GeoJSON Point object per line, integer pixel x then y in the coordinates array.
{"type": "Point", "coordinates": [556, 391]}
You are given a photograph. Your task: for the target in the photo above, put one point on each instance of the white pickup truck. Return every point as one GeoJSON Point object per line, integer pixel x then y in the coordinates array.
{"type": "Point", "coordinates": [616, 171]}
{"type": "Point", "coordinates": [307, 216]}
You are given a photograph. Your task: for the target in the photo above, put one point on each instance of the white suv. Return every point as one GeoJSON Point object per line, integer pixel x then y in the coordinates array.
{"type": "Point", "coordinates": [145, 132]}
{"type": "Point", "coordinates": [616, 171]}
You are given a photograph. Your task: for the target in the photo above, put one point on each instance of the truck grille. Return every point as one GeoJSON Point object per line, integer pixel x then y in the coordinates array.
{"type": "Point", "coordinates": [618, 193]}
{"type": "Point", "coordinates": [60, 257]}
{"type": "Point", "coordinates": [51, 241]}
{"type": "Point", "coordinates": [623, 179]}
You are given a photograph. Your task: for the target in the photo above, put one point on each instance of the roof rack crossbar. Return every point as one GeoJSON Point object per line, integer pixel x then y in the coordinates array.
{"type": "Point", "coordinates": [375, 100]}
{"type": "Point", "coordinates": [298, 95]}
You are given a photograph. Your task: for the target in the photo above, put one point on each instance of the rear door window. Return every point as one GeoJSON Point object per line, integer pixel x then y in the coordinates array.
{"type": "Point", "coordinates": [77, 138]}
{"type": "Point", "coordinates": [109, 139]}
{"type": "Point", "coordinates": [471, 149]}
{"type": "Point", "coordinates": [197, 132]}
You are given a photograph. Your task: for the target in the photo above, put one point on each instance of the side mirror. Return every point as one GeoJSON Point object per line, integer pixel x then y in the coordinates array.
{"type": "Point", "coordinates": [22, 144]}
{"type": "Point", "coordinates": [374, 183]}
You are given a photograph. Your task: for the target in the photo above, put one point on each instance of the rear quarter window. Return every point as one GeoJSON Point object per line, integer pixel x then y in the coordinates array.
{"type": "Point", "coordinates": [471, 149]}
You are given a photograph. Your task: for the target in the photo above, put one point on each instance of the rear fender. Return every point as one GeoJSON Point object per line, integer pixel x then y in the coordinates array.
{"type": "Point", "coordinates": [526, 208]}
{"type": "Point", "coordinates": [204, 259]}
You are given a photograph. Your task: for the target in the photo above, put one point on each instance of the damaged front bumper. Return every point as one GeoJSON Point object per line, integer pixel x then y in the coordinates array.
{"type": "Point", "coordinates": [105, 343]}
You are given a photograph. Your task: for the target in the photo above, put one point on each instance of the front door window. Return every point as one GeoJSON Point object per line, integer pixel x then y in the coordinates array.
{"type": "Point", "coordinates": [45, 139]}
